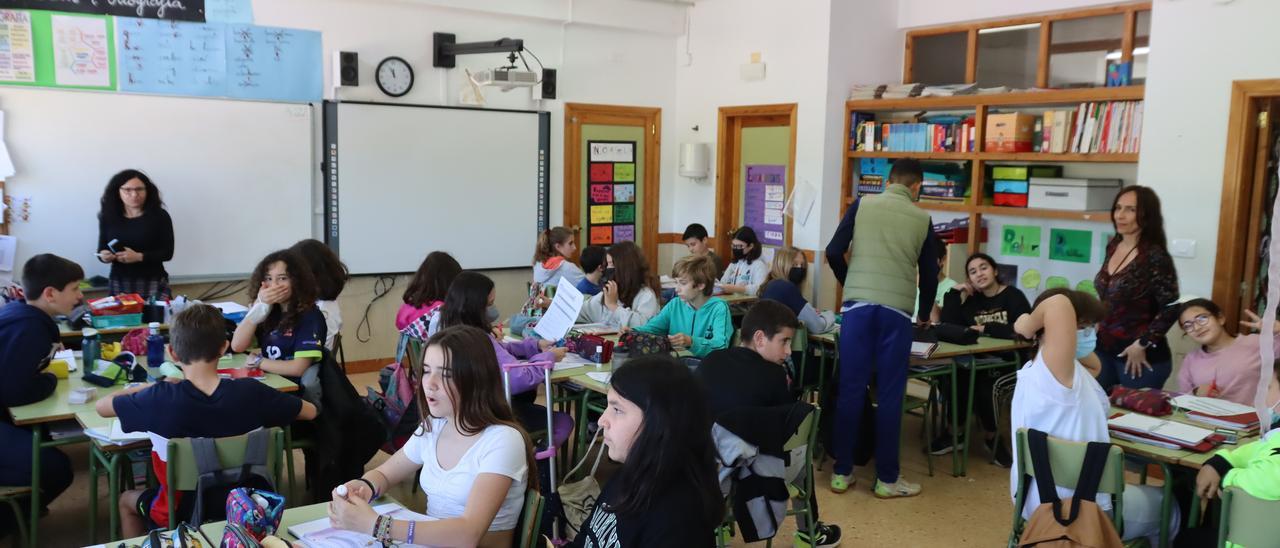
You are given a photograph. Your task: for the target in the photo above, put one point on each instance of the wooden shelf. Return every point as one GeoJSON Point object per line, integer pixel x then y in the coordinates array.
{"type": "Point", "coordinates": [1061, 157]}
{"type": "Point", "coordinates": [957, 207]}
{"type": "Point", "coordinates": [1002, 156]}
{"type": "Point", "coordinates": [1024, 98]}
{"type": "Point", "coordinates": [1091, 216]}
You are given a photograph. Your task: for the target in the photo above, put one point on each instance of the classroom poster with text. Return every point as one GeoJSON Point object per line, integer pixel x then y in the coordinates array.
{"type": "Point", "coordinates": [611, 192]}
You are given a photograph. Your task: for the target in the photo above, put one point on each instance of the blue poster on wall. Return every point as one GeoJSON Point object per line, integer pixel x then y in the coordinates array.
{"type": "Point", "coordinates": [170, 57]}
{"type": "Point", "coordinates": [274, 64]}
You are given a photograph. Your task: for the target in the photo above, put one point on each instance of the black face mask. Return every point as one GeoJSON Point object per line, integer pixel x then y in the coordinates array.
{"type": "Point", "coordinates": [739, 254]}
{"type": "Point", "coordinates": [797, 274]}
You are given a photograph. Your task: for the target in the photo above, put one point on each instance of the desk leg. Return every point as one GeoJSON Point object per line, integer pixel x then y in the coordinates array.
{"type": "Point", "coordinates": [968, 416]}
{"type": "Point", "coordinates": [93, 494]}
{"type": "Point", "coordinates": [37, 439]}
{"type": "Point", "coordinates": [957, 465]}
{"type": "Point", "coordinates": [1166, 505]}
{"type": "Point", "coordinates": [113, 488]}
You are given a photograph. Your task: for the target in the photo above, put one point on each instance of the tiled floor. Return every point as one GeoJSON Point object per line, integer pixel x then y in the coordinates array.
{"type": "Point", "coordinates": [951, 512]}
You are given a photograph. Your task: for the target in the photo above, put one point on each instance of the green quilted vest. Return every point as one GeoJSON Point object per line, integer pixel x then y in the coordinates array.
{"type": "Point", "coordinates": [888, 234]}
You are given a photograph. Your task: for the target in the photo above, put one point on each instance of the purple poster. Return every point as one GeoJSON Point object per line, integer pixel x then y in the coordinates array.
{"type": "Point", "coordinates": [763, 200]}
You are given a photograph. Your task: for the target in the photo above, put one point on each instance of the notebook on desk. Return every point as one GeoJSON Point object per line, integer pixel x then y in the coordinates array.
{"type": "Point", "coordinates": [321, 533]}
{"type": "Point", "coordinates": [922, 350]}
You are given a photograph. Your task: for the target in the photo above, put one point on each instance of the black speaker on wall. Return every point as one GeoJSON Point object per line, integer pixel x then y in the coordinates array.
{"type": "Point", "coordinates": [348, 68]}
{"type": "Point", "coordinates": [548, 83]}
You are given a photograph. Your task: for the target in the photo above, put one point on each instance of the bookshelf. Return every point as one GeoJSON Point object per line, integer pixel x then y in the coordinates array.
{"type": "Point", "coordinates": [980, 105]}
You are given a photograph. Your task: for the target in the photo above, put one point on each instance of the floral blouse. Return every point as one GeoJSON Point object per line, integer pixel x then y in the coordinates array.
{"type": "Point", "coordinates": [1139, 298]}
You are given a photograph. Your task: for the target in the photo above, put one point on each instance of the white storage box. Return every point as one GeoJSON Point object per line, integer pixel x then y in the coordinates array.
{"type": "Point", "coordinates": [1072, 194]}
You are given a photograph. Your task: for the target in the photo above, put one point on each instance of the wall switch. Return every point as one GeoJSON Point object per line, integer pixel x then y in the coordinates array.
{"type": "Point", "coordinates": [1183, 248]}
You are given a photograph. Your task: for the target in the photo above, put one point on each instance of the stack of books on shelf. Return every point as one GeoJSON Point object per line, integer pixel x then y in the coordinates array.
{"type": "Point", "coordinates": [1109, 127]}
{"type": "Point", "coordinates": [862, 92]}
{"type": "Point", "coordinates": [948, 133]}
{"type": "Point", "coordinates": [902, 91]}
{"type": "Point", "coordinates": [944, 183]}
{"type": "Point", "coordinates": [872, 175]}
{"type": "Point", "coordinates": [949, 90]}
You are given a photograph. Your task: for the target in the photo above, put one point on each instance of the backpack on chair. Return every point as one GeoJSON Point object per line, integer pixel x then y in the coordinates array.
{"type": "Point", "coordinates": [1086, 526]}
{"type": "Point", "coordinates": [215, 482]}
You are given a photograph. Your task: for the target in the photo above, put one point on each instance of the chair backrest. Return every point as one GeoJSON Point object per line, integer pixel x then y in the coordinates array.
{"type": "Point", "coordinates": [416, 347]}
{"type": "Point", "coordinates": [805, 434]}
{"type": "Point", "coordinates": [183, 474]}
{"type": "Point", "coordinates": [1247, 520]}
{"type": "Point", "coordinates": [531, 519]}
{"type": "Point", "coordinates": [800, 342]}
{"type": "Point", "coordinates": [1066, 458]}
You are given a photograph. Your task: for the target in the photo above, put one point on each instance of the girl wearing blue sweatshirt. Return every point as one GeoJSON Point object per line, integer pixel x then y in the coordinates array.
{"type": "Point", "coordinates": [695, 321]}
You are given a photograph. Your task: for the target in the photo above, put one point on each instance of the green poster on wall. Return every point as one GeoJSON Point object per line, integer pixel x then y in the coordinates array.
{"type": "Point", "coordinates": [1073, 246]}
{"type": "Point", "coordinates": [1020, 241]}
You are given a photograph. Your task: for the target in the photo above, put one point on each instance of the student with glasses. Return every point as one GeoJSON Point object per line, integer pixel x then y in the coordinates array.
{"type": "Point", "coordinates": [135, 235]}
{"type": "Point", "coordinates": [1221, 366]}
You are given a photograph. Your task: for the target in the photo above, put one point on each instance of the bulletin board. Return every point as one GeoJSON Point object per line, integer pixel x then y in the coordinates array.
{"type": "Point", "coordinates": [611, 194]}
{"type": "Point", "coordinates": [764, 196]}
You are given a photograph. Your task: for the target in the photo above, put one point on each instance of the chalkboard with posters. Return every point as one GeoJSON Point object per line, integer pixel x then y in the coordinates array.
{"type": "Point", "coordinates": [175, 10]}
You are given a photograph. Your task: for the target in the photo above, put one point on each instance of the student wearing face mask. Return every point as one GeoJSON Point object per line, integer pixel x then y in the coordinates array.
{"type": "Point", "coordinates": [628, 297]}
{"type": "Point", "coordinates": [1057, 395]}
{"type": "Point", "coordinates": [786, 276]}
{"type": "Point", "coordinates": [984, 304]}
{"type": "Point", "coordinates": [747, 272]}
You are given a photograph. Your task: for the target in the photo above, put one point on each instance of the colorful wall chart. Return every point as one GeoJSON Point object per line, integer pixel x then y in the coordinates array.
{"type": "Point", "coordinates": [764, 195]}
{"type": "Point", "coordinates": [17, 56]}
{"type": "Point", "coordinates": [611, 192]}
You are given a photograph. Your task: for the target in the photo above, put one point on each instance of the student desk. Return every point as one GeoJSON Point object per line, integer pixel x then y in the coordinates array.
{"type": "Point", "coordinates": [961, 356]}
{"type": "Point", "coordinates": [1169, 458]}
{"type": "Point", "coordinates": [55, 408]}
{"type": "Point", "coordinates": [67, 333]}
{"type": "Point", "coordinates": [291, 517]}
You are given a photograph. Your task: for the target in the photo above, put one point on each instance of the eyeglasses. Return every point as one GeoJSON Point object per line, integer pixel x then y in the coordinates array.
{"type": "Point", "coordinates": [1201, 321]}
{"type": "Point", "coordinates": [133, 190]}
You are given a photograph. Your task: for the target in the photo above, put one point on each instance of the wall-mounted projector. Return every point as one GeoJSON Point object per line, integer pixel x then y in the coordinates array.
{"type": "Point", "coordinates": [505, 78]}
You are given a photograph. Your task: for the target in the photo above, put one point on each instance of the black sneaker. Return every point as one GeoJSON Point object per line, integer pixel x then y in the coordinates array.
{"type": "Point", "coordinates": [941, 445]}
{"type": "Point", "coordinates": [826, 535]}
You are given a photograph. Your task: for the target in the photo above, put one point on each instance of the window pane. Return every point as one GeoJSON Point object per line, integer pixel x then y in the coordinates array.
{"type": "Point", "coordinates": [1080, 48]}
{"type": "Point", "coordinates": [1141, 47]}
{"type": "Point", "coordinates": [939, 59]}
{"type": "Point", "coordinates": [1008, 56]}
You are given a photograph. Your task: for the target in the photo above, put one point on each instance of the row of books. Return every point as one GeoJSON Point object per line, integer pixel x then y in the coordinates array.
{"type": "Point", "coordinates": [937, 134]}
{"type": "Point", "coordinates": [1111, 127]}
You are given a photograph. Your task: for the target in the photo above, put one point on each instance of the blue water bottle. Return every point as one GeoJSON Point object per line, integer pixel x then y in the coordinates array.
{"type": "Point", "coordinates": [91, 349]}
{"type": "Point", "coordinates": [155, 346]}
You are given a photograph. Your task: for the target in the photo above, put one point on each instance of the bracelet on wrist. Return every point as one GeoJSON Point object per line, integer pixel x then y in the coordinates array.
{"type": "Point", "coordinates": [373, 490]}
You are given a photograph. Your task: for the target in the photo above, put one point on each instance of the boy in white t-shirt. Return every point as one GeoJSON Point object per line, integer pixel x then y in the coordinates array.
{"type": "Point", "coordinates": [1058, 395]}
{"type": "Point", "coordinates": [475, 458]}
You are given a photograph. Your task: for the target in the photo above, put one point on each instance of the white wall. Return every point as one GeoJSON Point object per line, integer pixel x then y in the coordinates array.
{"type": "Point", "coordinates": [1187, 102]}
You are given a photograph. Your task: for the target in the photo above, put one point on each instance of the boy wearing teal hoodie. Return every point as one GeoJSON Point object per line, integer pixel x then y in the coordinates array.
{"type": "Point", "coordinates": [694, 320]}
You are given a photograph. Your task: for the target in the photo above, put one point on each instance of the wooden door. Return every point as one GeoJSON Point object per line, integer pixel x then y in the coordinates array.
{"type": "Point", "coordinates": [1261, 201]}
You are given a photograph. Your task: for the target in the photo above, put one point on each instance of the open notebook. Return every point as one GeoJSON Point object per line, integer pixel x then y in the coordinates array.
{"type": "Point", "coordinates": [1161, 429]}
{"type": "Point", "coordinates": [321, 534]}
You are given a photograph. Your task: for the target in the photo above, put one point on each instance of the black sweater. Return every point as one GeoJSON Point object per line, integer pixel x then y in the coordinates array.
{"type": "Point", "coordinates": [151, 235]}
{"type": "Point", "coordinates": [739, 377]}
{"type": "Point", "coordinates": [27, 336]}
{"type": "Point", "coordinates": [996, 313]}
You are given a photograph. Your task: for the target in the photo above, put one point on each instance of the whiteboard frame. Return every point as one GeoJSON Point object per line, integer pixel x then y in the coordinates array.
{"type": "Point", "coordinates": [331, 155]}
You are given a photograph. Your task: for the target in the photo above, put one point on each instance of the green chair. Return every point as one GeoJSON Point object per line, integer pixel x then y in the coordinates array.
{"type": "Point", "coordinates": [11, 495]}
{"type": "Point", "coordinates": [805, 436]}
{"type": "Point", "coordinates": [183, 474]}
{"type": "Point", "coordinates": [340, 353]}
{"type": "Point", "coordinates": [1247, 520]}
{"type": "Point", "coordinates": [531, 519]}
{"type": "Point", "coordinates": [1066, 458]}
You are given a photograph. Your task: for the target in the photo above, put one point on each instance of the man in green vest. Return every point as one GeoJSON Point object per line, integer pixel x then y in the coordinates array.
{"type": "Point", "coordinates": [891, 247]}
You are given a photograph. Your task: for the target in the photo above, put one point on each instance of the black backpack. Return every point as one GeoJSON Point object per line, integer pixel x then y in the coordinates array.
{"type": "Point", "coordinates": [215, 482]}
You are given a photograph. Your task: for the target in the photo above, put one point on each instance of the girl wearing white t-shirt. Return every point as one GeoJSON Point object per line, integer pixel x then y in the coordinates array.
{"type": "Point", "coordinates": [1058, 395]}
{"type": "Point", "coordinates": [475, 458]}
{"type": "Point", "coordinates": [747, 272]}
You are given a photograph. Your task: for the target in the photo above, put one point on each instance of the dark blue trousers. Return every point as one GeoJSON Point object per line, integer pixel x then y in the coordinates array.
{"type": "Point", "coordinates": [875, 340]}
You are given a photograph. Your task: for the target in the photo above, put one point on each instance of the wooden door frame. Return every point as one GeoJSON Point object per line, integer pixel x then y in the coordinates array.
{"type": "Point", "coordinates": [1237, 186]}
{"type": "Point", "coordinates": [648, 118]}
{"type": "Point", "coordinates": [728, 150]}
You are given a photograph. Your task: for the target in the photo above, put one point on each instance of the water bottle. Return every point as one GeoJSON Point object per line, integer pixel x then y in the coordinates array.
{"type": "Point", "coordinates": [91, 349]}
{"type": "Point", "coordinates": [155, 346]}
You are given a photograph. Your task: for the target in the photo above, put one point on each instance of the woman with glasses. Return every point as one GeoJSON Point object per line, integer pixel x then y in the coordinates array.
{"type": "Point", "coordinates": [135, 235]}
{"type": "Point", "coordinates": [1139, 284]}
{"type": "Point", "coordinates": [1221, 366]}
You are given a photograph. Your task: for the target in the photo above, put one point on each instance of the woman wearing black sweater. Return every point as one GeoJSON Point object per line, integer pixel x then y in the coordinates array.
{"type": "Point", "coordinates": [985, 304]}
{"type": "Point", "coordinates": [135, 235]}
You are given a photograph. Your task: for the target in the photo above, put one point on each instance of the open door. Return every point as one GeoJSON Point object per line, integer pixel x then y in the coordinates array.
{"type": "Point", "coordinates": [611, 175]}
{"type": "Point", "coordinates": [756, 164]}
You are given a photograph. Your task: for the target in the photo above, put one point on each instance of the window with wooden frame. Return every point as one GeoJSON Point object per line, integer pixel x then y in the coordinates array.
{"type": "Point", "coordinates": [1058, 50]}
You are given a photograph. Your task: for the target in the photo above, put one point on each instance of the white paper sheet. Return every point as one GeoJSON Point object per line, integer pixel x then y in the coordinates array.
{"type": "Point", "coordinates": [562, 313]}
{"type": "Point", "coordinates": [800, 204]}
{"type": "Point", "coordinates": [599, 376]}
{"type": "Point", "coordinates": [69, 356]}
{"type": "Point", "coordinates": [321, 534]}
{"type": "Point", "coordinates": [1211, 406]}
{"type": "Point", "coordinates": [1184, 433]}
{"type": "Point", "coordinates": [8, 249]}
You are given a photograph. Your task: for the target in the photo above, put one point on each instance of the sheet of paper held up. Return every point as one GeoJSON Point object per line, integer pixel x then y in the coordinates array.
{"type": "Point", "coordinates": [562, 314]}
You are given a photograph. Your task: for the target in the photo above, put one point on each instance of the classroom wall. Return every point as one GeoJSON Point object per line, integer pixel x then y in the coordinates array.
{"type": "Point", "coordinates": [606, 51]}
